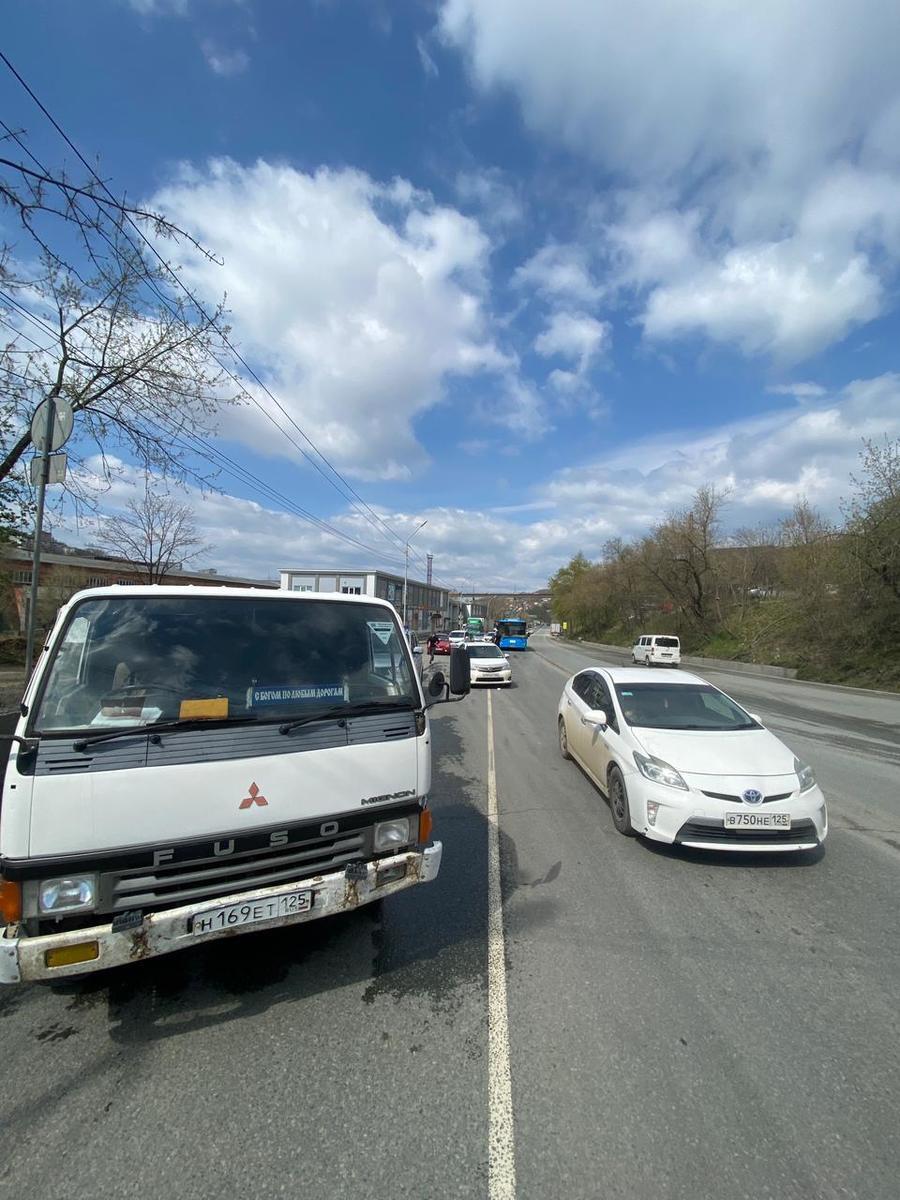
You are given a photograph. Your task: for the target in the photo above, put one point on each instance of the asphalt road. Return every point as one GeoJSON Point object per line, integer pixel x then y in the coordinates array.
{"type": "Point", "coordinates": [680, 1025]}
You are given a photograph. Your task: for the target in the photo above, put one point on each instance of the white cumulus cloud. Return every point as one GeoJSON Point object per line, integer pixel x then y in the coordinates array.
{"type": "Point", "coordinates": [574, 335]}
{"type": "Point", "coordinates": [757, 147]}
{"type": "Point", "coordinates": [356, 301]}
{"type": "Point", "coordinates": [224, 62]}
{"type": "Point", "coordinates": [769, 462]}
{"type": "Point", "coordinates": [559, 272]}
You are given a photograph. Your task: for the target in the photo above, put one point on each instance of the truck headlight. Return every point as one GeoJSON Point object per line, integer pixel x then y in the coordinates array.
{"type": "Point", "coordinates": [391, 833]}
{"type": "Point", "coordinates": [659, 771]}
{"type": "Point", "coordinates": [73, 893]}
{"type": "Point", "coordinates": [805, 774]}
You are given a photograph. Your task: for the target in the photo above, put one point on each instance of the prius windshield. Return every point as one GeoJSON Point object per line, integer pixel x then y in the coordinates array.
{"type": "Point", "coordinates": [134, 660]}
{"type": "Point", "coordinates": [681, 706]}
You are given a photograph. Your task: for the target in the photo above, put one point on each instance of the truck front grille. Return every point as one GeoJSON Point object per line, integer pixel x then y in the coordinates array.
{"type": "Point", "coordinates": [181, 883]}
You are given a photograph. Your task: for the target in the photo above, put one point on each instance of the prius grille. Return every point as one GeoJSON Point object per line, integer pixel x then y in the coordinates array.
{"type": "Point", "coordinates": [739, 799]}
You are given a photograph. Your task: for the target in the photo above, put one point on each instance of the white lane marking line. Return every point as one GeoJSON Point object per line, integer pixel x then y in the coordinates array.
{"type": "Point", "coordinates": [501, 1140]}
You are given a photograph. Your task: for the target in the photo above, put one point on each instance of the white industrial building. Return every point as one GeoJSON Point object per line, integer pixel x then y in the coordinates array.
{"type": "Point", "coordinates": [428, 607]}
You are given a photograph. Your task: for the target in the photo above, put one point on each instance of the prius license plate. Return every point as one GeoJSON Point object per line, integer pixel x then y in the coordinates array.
{"type": "Point", "coordinates": [252, 913]}
{"type": "Point", "coordinates": [757, 820]}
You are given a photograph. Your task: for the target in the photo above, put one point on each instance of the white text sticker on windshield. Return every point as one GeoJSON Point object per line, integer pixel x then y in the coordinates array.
{"type": "Point", "coordinates": [295, 694]}
{"type": "Point", "coordinates": [382, 630]}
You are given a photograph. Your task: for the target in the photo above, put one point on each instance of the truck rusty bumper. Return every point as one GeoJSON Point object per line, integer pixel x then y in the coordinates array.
{"type": "Point", "coordinates": [24, 959]}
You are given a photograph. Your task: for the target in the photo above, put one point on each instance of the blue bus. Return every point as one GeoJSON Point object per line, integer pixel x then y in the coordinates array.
{"type": "Point", "coordinates": [512, 634]}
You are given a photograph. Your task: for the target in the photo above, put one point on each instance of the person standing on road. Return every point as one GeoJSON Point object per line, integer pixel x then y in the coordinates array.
{"type": "Point", "coordinates": [432, 642]}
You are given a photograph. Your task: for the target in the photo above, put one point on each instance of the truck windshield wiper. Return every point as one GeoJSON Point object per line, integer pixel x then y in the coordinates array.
{"type": "Point", "coordinates": [157, 727]}
{"type": "Point", "coordinates": [351, 710]}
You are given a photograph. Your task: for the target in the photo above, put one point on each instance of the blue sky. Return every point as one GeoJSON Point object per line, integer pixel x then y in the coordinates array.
{"type": "Point", "coordinates": [530, 272]}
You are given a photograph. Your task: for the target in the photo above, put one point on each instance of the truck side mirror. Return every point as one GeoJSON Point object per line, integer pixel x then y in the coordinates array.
{"type": "Point", "coordinates": [436, 684]}
{"type": "Point", "coordinates": [460, 672]}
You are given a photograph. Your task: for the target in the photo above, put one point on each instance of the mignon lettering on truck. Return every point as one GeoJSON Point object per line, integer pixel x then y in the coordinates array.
{"type": "Point", "coordinates": [387, 796]}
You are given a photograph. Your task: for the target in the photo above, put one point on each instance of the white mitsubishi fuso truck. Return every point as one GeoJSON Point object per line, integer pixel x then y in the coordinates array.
{"type": "Point", "coordinates": [193, 763]}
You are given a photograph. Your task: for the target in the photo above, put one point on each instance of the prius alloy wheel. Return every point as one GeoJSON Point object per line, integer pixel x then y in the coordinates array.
{"type": "Point", "coordinates": [563, 739]}
{"type": "Point", "coordinates": [618, 802]}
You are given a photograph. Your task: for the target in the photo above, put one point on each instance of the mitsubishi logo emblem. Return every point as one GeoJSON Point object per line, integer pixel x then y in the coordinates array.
{"type": "Point", "coordinates": [253, 798]}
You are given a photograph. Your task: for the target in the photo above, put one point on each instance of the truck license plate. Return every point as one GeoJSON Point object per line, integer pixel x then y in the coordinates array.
{"type": "Point", "coordinates": [757, 820]}
{"type": "Point", "coordinates": [254, 911]}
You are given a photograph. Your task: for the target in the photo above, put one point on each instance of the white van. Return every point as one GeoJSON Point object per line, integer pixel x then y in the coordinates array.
{"type": "Point", "coordinates": [195, 762]}
{"type": "Point", "coordinates": [656, 649]}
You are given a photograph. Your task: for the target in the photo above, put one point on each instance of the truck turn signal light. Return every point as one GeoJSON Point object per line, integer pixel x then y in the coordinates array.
{"type": "Point", "coordinates": [425, 824]}
{"type": "Point", "coordinates": [10, 901]}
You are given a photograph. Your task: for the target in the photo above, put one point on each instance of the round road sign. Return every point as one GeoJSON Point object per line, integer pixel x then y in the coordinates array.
{"type": "Point", "coordinates": [62, 425]}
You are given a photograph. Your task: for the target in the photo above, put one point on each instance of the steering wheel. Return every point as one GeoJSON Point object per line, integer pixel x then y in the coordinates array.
{"type": "Point", "coordinates": [142, 688]}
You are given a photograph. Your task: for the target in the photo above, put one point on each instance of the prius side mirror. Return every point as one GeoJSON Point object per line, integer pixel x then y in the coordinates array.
{"type": "Point", "coordinates": [595, 716]}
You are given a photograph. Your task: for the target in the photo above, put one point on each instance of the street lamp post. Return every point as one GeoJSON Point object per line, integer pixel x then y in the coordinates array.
{"type": "Point", "coordinates": [406, 570]}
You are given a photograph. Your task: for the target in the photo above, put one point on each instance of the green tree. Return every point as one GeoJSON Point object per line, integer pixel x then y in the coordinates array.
{"type": "Point", "coordinates": [563, 587]}
{"type": "Point", "coordinates": [679, 556]}
{"type": "Point", "coordinates": [873, 518]}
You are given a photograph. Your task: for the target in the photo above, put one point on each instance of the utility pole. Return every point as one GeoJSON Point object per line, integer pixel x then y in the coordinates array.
{"type": "Point", "coordinates": [51, 426]}
{"type": "Point", "coordinates": [406, 570]}
{"type": "Point", "coordinates": [38, 530]}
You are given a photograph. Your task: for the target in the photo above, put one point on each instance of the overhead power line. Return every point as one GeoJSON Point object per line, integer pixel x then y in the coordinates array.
{"type": "Point", "coordinates": [223, 460]}
{"type": "Point", "coordinates": [236, 470]}
{"type": "Point", "coordinates": [354, 499]}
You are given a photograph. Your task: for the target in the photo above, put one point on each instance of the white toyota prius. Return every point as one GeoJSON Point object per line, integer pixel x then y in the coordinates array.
{"type": "Point", "coordinates": [682, 762]}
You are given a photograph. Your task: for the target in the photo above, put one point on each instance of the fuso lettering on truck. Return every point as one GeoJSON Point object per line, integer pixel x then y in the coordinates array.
{"type": "Point", "coordinates": [195, 763]}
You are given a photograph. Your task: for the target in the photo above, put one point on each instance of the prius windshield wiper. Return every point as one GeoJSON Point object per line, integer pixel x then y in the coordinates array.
{"type": "Point", "coordinates": [157, 727]}
{"type": "Point", "coordinates": [352, 710]}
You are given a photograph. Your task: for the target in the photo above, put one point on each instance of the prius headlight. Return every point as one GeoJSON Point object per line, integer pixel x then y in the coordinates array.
{"type": "Point", "coordinates": [805, 774]}
{"type": "Point", "coordinates": [391, 833]}
{"type": "Point", "coordinates": [70, 893]}
{"type": "Point", "coordinates": [658, 771]}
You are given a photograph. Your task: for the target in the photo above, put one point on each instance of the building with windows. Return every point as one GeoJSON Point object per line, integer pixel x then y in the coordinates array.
{"type": "Point", "coordinates": [428, 607]}
{"type": "Point", "coordinates": [66, 570]}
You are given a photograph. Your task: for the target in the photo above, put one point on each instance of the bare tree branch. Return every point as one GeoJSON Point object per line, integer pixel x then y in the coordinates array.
{"type": "Point", "coordinates": [137, 361]}
{"type": "Point", "coordinates": [155, 534]}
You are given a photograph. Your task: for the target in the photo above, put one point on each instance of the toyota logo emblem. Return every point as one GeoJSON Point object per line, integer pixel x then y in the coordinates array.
{"type": "Point", "coordinates": [752, 796]}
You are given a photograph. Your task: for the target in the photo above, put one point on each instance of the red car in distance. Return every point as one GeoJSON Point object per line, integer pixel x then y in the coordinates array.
{"type": "Point", "coordinates": [442, 645]}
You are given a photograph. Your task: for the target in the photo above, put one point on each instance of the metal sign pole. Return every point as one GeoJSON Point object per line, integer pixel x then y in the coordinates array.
{"type": "Point", "coordinates": [38, 531]}
{"type": "Point", "coordinates": [405, 583]}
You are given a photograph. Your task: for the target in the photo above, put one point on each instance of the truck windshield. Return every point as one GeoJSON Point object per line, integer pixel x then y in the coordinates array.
{"type": "Point", "coordinates": [132, 660]}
